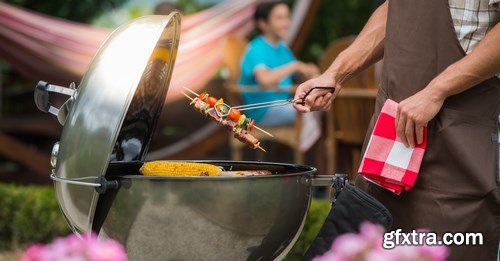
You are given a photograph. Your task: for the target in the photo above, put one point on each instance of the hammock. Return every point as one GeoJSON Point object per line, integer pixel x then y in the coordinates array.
{"type": "Point", "coordinates": [57, 50]}
{"type": "Point", "coordinates": [42, 47]}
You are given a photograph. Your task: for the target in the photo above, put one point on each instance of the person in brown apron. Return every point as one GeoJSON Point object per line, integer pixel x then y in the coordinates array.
{"type": "Point", "coordinates": [457, 95]}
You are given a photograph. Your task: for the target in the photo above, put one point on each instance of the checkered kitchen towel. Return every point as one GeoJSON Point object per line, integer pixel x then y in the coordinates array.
{"type": "Point", "coordinates": [387, 162]}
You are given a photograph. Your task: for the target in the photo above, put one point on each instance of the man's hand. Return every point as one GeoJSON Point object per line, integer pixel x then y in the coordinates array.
{"type": "Point", "coordinates": [414, 113]}
{"type": "Point", "coordinates": [317, 100]}
{"type": "Point", "coordinates": [367, 49]}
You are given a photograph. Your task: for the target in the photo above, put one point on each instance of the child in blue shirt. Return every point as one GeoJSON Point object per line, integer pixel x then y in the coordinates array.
{"type": "Point", "coordinates": [268, 66]}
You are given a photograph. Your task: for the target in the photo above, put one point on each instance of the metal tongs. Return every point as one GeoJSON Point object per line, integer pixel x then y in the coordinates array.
{"type": "Point", "coordinates": [269, 104]}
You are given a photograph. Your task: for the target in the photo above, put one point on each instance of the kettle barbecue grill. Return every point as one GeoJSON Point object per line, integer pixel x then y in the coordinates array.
{"type": "Point", "coordinates": [108, 123]}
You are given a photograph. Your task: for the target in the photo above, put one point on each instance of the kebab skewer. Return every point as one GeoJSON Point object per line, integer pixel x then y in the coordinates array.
{"type": "Point", "coordinates": [239, 124]}
{"type": "Point", "coordinates": [224, 109]}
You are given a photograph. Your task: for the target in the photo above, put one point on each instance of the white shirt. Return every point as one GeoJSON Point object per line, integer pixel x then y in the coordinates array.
{"type": "Point", "coordinates": [473, 19]}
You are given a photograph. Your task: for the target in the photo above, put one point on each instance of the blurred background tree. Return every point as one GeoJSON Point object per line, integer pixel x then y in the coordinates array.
{"type": "Point", "coordinates": [335, 19]}
{"type": "Point", "coordinates": [75, 10]}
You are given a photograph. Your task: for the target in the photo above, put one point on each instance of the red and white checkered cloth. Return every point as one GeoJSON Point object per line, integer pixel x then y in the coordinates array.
{"type": "Point", "coordinates": [387, 162]}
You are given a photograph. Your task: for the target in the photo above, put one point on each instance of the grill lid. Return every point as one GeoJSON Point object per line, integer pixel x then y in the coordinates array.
{"type": "Point", "coordinates": [113, 112]}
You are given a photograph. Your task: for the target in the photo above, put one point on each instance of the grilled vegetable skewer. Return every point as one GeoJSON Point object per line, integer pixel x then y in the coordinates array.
{"type": "Point", "coordinates": [239, 132]}
{"type": "Point", "coordinates": [225, 110]}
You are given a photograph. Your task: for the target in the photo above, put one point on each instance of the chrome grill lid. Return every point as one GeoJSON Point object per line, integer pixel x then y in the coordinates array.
{"type": "Point", "coordinates": [114, 110]}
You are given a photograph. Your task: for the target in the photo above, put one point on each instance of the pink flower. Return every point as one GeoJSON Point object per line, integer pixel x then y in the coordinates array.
{"type": "Point", "coordinates": [328, 256]}
{"type": "Point", "coordinates": [435, 253]}
{"type": "Point", "coordinates": [405, 252]}
{"type": "Point", "coordinates": [379, 255]}
{"type": "Point", "coordinates": [106, 250]}
{"type": "Point", "coordinates": [367, 245]}
{"type": "Point", "coordinates": [372, 233]}
{"type": "Point", "coordinates": [349, 246]}
{"type": "Point", "coordinates": [33, 253]}
{"type": "Point", "coordinates": [72, 248]}
{"type": "Point", "coordinates": [65, 248]}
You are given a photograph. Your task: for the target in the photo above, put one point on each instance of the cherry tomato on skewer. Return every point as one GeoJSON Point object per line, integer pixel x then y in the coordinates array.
{"type": "Point", "coordinates": [211, 101]}
{"type": "Point", "coordinates": [202, 96]}
{"type": "Point", "coordinates": [251, 124]}
{"type": "Point", "coordinates": [234, 115]}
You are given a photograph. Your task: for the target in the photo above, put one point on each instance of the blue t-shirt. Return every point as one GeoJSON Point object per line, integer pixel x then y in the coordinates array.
{"type": "Point", "coordinates": [261, 53]}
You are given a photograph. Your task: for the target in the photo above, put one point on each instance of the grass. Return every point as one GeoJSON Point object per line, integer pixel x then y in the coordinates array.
{"type": "Point", "coordinates": [9, 255]}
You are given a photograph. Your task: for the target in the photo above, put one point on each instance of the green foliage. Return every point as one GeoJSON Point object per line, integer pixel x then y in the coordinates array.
{"type": "Point", "coordinates": [29, 214]}
{"type": "Point", "coordinates": [135, 8]}
{"type": "Point", "coordinates": [192, 6]}
{"type": "Point", "coordinates": [317, 213]}
{"type": "Point", "coordinates": [75, 10]}
{"type": "Point", "coordinates": [335, 19]}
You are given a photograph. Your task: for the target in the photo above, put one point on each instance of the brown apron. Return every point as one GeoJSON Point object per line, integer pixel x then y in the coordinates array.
{"type": "Point", "coordinates": [456, 190]}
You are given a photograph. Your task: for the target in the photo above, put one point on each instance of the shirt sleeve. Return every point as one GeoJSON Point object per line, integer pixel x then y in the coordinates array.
{"type": "Point", "coordinates": [494, 3]}
{"type": "Point", "coordinates": [290, 57]}
{"type": "Point", "coordinates": [253, 59]}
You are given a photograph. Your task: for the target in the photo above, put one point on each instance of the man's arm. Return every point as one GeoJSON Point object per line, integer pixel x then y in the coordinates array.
{"type": "Point", "coordinates": [481, 64]}
{"type": "Point", "coordinates": [416, 111]}
{"type": "Point", "coordinates": [367, 49]}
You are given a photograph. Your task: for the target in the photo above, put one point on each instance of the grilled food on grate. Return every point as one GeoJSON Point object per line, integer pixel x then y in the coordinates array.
{"type": "Point", "coordinates": [170, 168]}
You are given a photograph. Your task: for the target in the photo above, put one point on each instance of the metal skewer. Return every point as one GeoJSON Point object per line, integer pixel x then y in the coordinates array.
{"type": "Point", "coordinates": [191, 91]}
{"type": "Point", "coordinates": [187, 96]}
{"type": "Point", "coordinates": [265, 132]}
{"type": "Point", "coordinates": [300, 100]}
{"type": "Point", "coordinates": [222, 115]}
{"type": "Point", "coordinates": [264, 105]}
{"type": "Point", "coordinates": [259, 147]}
{"type": "Point", "coordinates": [256, 105]}
{"type": "Point", "coordinates": [255, 126]}
{"type": "Point", "coordinates": [272, 103]}
{"type": "Point", "coordinates": [276, 103]}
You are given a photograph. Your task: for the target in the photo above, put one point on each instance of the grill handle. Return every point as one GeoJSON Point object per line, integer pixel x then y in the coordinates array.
{"type": "Point", "coordinates": [321, 180]}
{"type": "Point", "coordinates": [101, 184]}
{"type": "Point", "coordinates": [42, 100]}
{"type": "Point", "coordinates": [336, 182]}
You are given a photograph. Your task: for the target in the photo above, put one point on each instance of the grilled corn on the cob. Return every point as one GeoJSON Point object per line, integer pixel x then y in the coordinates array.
{"type": "Point", "coordinates": [170, 168]}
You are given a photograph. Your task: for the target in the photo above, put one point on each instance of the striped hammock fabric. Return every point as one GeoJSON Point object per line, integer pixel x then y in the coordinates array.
{"type": "Point", "coordinates": [43, 47]}
{"type": "Point", "coordinates": [57, 50]}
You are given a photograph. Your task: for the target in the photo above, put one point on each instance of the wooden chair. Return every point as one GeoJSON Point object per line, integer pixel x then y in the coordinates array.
{"type": "Point", "coordinates": [21, 152]}
{"type": "Point", "coordinates": [234, 47]}
{"type": "Point", "coordinates": [348, 120]}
